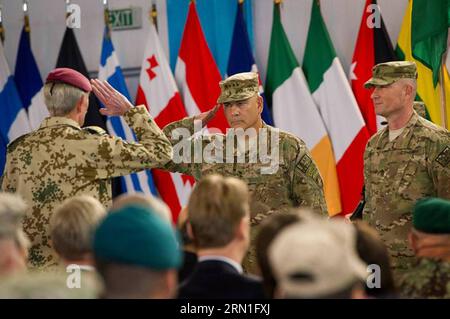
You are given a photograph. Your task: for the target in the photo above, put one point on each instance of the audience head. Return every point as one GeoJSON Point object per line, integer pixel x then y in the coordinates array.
{"type": "Point", "coordinates": [317, 259]}
{"type": "Point", "coordinates": [14, 243]}
{"type": "Point", "coordinates": [72, 227]}
{"type": "Point", "coordinates": [155, 204]}
{"type": "Point", "coordinates": [137, 254]}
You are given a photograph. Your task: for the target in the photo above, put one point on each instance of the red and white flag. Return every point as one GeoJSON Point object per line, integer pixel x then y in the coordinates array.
{"type": "Point", "coordinates": [197, 74]}
{"type": "Point", "coordinates": [158, 91]}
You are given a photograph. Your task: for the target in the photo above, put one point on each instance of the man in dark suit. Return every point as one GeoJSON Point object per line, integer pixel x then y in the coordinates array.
{"type": "Point", "coordinates": [219, 222]}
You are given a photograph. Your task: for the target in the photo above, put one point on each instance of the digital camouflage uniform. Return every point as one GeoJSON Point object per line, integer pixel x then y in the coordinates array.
{"type": "Point", "coordinates": [61, 160]}
{"type": "Point", "coordinates": [414, 165]}
{"type": "Point", "coordinates": [297, 182]}
{"type": "Point", "coordinates": [428, 278]}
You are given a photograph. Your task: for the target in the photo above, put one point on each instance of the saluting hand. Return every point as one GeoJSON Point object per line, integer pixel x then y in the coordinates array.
{"type": "Point", "coordinates": [115, 103]}
{"type": "Point", "coordinates": [207, 116]}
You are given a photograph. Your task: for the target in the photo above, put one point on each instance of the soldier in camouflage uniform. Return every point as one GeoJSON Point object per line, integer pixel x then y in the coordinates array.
{"type": "Point", "coordinates": [406, 161]}
{"type": "Point", "coordinates": [430, 240]}
{"type": "Point", "coordinates": [61, 160]}
{"type": "Point", "coordinates": [297, 182]}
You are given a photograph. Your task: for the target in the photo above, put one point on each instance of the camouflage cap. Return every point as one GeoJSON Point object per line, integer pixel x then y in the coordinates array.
{"type": "Point", "coordinates": [390, 72]}
{"type": "Point", "coordinates": [238, 87]}
{"type": "Point", "coordinates": [432, 215]}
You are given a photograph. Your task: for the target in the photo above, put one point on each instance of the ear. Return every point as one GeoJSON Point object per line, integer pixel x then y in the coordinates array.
{"type": "Point", "coordinates": [243, 229]}
{"type": "Point", "coordinates": [260, 104]}
{"type": "Point", "coordinates": [189, 230]}
{"type": "Point", "coordinates": [80, 104]}
{"type": "Point", "coordinates": [171, 283]}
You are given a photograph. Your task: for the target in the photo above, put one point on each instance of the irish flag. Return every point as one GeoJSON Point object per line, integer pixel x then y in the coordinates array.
{"type": "Point", "coordinates": [294, 109]}
{"type": "Point", "coordinates": [338, 108]}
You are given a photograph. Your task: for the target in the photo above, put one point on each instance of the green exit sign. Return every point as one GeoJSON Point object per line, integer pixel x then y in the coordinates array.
{"type": "Point", "coordinates": [129, 18]}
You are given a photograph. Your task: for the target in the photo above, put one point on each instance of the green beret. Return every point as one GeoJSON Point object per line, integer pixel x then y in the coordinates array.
{"type": "Point", "coordinates": [135, 235]}
{"type": "Point", "coordinates": [238, 87]}
{"type": "Point", "coordinates": [432, 215]}
{"type": "Point", "coordinates": [389, 72]}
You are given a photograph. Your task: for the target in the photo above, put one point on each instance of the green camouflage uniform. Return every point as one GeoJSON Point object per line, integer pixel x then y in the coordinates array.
{"type": "Point", "coordinates": [61, 160]}
{"type": "Point", "coordinates": [296, 183]}
{"type": "Point", "coordinates": [428, 278]}
{"type": "Point", "coordinates": [414, 165]}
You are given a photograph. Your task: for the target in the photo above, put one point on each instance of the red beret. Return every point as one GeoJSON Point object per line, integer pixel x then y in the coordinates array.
{"type": "Point", "coordinates": [69, 76]}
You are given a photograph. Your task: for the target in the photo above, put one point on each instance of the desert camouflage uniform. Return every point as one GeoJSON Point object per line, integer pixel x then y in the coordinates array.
{"type": "Point", "coordinates": [428, 278]}
{"type": "Point", "coordinates": [296, 183]}
{"type": "Point", "coordinates": [414, 165]}
{"type": "Point", "coordinates": [61, 160]}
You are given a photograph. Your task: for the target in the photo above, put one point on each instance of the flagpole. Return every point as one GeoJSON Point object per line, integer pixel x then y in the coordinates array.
{"type": "Point", "coordinates": [443, 94]}
{"type": "Point", "coordinates": [154, 16]}
{"type": "Point", "coordinates": [2, 30]}
{"type": "Point", "coordinates": [106, 18]}
{"type": "Point", "coordinates": [26, 19]}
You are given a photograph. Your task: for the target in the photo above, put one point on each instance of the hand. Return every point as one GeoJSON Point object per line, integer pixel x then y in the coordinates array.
{"type": "Point", "coordinates": [115, 103]}
{"type": "Point", "coordinates": [205, 117]}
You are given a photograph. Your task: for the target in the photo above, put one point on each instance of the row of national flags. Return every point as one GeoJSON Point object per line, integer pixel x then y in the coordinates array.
{"type": "Point", "coordinates": [331, 113]}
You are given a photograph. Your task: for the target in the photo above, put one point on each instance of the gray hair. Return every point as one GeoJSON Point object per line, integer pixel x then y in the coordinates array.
{"type": "Point", "coordinates": [12, 210]}
{"type": "Point", "coordinates": [158, 206]}
{"type": "Point", "coordinates": [61, 98]}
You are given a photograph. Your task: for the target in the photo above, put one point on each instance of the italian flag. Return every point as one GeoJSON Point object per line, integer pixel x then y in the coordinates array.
{"type": "Point", "coordinates": [338, 108]}
{"type": "Point", "coordinates": [294, 109]}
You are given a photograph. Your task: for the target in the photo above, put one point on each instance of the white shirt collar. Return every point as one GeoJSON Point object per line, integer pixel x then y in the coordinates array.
{"type": "Point", "coordinates": [227, 260]}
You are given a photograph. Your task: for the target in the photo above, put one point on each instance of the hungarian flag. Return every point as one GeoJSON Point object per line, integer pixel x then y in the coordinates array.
{"type": "Point", "coordinates": [373, 46]}
{"type": "Point", "coordinates": [338, 108]}
{"type": "Point", "coordinates": [241, 57]}
{"type": "Point", "coordinates": [423, 39]}
{"type": "Point", "coordinates": [70, 57]}
{"type": "Point", "coordinates": [197, 74]}
{"type": "Point", "coordinates": [158, 91]}
{"type": "Point", "coordinates": [285, 87]}
{"type": "Point", "coordinates": [29, 81]}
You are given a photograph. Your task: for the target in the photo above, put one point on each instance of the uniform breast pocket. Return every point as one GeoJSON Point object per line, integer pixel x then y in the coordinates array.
{"type": "Point", "coordinates": [406, 180]}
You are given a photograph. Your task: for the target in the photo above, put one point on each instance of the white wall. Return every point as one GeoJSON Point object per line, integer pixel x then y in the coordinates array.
{"type": "Point", "coordinates": [47, 19]}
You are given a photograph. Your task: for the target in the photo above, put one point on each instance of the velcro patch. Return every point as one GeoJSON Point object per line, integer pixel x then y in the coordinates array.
{"type": "Point", "coordinates": [304, 163]}
{"type": "Point", "coordinates": [444, 157]}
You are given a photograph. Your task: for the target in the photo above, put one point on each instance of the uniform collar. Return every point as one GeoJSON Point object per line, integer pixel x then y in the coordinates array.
{"type": "Point", "coordinates": [58, 121]}
{"type": "Point", "coordinates": [402, 141]}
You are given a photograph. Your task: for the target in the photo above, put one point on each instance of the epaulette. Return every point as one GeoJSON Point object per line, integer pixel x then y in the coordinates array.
{"type": "Point", "coordinates": [95, 130]}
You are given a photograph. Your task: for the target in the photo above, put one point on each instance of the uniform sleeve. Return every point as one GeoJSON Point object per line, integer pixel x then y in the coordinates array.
{"type": "Point", "coordinates": [109, 156]}
{"type": "Point", "coordinates": [439, 166]}
{"type": "Point", "coordinates": [367, 208]}
{"type": "Point", "coordinates": [180, 134]}
{"type": "Point", "coordinates": [304, 178]}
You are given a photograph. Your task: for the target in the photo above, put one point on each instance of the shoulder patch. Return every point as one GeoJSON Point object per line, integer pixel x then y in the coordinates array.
{"type": "Point", "coordinates": [304, 163]}
{"type": "Point", "coordinates": [94, 130]}
{"type": "Point", "coordinates": [444, 157]}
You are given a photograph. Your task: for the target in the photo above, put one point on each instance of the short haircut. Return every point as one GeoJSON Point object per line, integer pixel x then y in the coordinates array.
{"type": "Point", "coordinates": [61, 98]}
{"type": "Point", "coordinates": [73, 224]}
{"type": "Point", "coordinates": [155, 204]}
{"type": "Point", "coordinates": [268, 230]}
{"type": "Point", "coordinates": [216, 207]}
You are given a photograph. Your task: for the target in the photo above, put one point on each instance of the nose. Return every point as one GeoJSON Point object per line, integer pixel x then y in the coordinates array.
{"type": "Point", "coordinates": [234, 110]}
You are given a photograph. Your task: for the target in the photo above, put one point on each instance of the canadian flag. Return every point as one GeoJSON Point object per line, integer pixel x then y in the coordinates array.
{"type": "Point", "coordinates": [197, 74]}
{"type": "Point", "coordinates": [158, 91]}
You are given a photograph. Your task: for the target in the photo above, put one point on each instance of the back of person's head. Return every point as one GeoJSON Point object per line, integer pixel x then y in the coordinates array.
{"type": "Point", "coordinates": [14, 243]}
{"type": "Point", "coordinates": [317, 259]}
{"type": "Point", "coordinates": [45, 285]}
{"type": "Point", "coordinates": [137, 254]}
{"type": "Point", "coordinates": [62, 98]}
{"type": "Point", "coordinates": [155, 204]}
{"type": "Point", "coordinates": [372, 250]}
{"type": "Point", "coordinates": [431, 228]}
{"type": "Point", "coordinates": [217, 208]}
{"type": "Point", "coordinates": [72, 227]}
{"type": "Point", "coordinates": [268, 230]}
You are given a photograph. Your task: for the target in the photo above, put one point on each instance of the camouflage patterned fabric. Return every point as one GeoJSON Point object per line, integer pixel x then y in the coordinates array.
{"type": "Point", "coordinates": [414, 165]}
{"type": "Point", "coordinates": [61, 160]}
{"type": "Point", "coordinates": [296, 183]}
{"type": "Point", "coordinates": [429, 278]}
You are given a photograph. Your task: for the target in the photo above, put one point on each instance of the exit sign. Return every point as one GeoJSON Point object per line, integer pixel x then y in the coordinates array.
{"type": "Point", "coordinates": [122, 19]}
